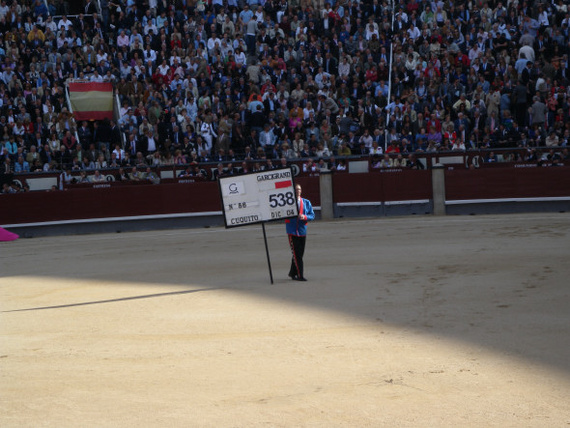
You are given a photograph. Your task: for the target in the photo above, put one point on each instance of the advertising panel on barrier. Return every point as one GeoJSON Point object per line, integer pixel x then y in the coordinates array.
{"type": "Point", "coordinates": [258, 197]}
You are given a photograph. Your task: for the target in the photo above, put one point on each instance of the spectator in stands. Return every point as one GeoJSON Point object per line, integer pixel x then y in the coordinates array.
{"type": "Point", "coordinates": [32, 155]}
{"type": "Point", "coordinates": [121, 175]}
{"type": "Point", "coordinates": [7, 189]}
{"type": "Point", "coordinates": [151, 176]}
{"type": "Point", "coordinates": [21, 165]}
{"type": "Point", "coordinates": [386, 162]}
{"type": "Point", "coordinates": [135, 174]}
{"type": "Point", "coordinates": [414, 163]}
{"type": "Point", "coordinates": [83, 177]}
{"type": "Point", "coordinates": [552, 140]}
{"type": "Point", "coordinates": [97, 177]}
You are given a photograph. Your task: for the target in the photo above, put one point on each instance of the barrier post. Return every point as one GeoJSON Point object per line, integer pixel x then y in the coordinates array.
{"type": "Point", "coordinates": [326, 192]}
{"type": "Point", "coordinates": [438, 189]}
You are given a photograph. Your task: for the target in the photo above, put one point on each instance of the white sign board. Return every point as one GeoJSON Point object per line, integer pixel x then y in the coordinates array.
{"type": "Point", "coordinates": [258, 197]}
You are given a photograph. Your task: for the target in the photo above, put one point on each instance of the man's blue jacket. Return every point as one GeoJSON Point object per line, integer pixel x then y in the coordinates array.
{"type": "Point", "coordinates": [298, 227]}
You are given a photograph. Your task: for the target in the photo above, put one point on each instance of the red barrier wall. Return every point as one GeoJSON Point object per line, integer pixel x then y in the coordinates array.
{"type": "Point", "coordinates": [120, 200]}
{"type": "Point", "coordinates": [384, 185]}
{"type": "Point", "coordinates": [507, 183]}
{"type": "Point", "coordinates": [115, 201]}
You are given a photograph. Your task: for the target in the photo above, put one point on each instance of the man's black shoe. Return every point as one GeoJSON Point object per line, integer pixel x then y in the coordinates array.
{"type": "Point", "coordinates": [293, 277]}
{"type": "Point", "coordinates": [296, 278]}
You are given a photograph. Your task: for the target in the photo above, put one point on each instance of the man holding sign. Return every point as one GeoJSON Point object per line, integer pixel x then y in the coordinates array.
{"type": "Point", "coordinates": [265, 196]}
{"type": "Point", "coordinates": [297, 231]}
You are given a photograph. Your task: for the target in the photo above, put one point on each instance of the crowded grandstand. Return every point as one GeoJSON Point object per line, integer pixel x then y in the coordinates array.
{"type": "Point", "coordinates": [261, 83]}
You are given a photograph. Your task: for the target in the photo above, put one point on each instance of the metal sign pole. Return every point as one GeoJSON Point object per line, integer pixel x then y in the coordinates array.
{"type": "Point", "coordinates": [267, 252]}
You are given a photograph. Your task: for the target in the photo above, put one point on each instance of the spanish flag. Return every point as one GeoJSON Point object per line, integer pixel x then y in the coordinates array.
{"type": "Point", "coordinates": [91, 101]}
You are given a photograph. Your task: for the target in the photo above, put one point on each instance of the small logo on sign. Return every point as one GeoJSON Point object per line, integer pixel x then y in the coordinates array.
{"type": "Point", "coordinates": [233, 188]}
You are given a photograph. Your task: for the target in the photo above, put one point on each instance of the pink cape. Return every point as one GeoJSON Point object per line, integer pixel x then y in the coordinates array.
{"type": "Point", "coordinates": [7, 236]}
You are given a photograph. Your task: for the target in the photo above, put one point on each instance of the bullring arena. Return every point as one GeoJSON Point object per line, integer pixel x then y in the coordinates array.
{"type": "Point", "coordinates": [411, 321]}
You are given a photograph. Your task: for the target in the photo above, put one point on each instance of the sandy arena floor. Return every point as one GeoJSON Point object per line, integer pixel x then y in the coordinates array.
{"type": "Point", "coordinates": [412, 322]}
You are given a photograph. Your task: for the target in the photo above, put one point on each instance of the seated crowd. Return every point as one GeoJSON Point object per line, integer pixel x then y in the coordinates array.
{"type": "Point", "coordinates": [256, 80]}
